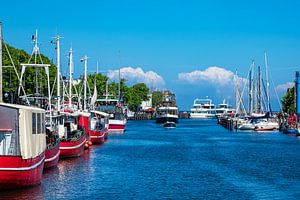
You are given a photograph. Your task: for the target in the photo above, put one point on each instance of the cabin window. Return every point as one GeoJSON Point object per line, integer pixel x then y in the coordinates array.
{"type": "Point", "coordinates": [43, 123]}
{"type": "Point", "coordinates": [39, 123]}
{"type": "Point", "coordinates": [9, 132]}
{"type": "Point", "coordinates": [34, 123]}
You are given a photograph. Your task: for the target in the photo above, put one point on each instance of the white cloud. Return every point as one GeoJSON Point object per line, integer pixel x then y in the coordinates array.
{"type": "Point", "coordinates": [283, 87]}
{"type": "Point", "coordinates": [137, 75]}
{"type": "Point", "coordinates": [213, 75]}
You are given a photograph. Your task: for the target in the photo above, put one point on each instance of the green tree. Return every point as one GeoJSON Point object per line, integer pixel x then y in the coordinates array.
{"type": "Point", "coordinates": [10, 80]}
{"type": "Point", "coordinates": [157, 98]}
{"type": "Point", "coordinates": [135, 95]}
{"type": "Point", "coordinates": [288, 101]}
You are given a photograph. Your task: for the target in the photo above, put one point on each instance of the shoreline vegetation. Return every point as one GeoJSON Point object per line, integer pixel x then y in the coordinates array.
{"type": "Point", "coordinates": [131, 95]}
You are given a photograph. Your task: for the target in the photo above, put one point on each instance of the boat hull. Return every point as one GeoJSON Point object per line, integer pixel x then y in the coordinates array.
{"type": "Point", "coordinates": [97, 137]}
{"type": "Point", "coordinates": [116, 127]}
{"type": "Point", "coordinates": [162, 120]}
{"type": "Point", "coordinates": [72, 148]}
{"type": "Point", "coordinates": [16, 172]}
{"type": "Point", "coordinates": [202, 116]}
{"type": "Point", "coordinates": [170, 125]}
{"type": "Point", "coordinates": [52, 157]}
{"type": "Point", "coordinates": [265, 129]}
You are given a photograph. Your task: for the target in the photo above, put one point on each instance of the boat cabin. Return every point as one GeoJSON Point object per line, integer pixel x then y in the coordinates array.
{"type": "Point", "coordinates": [22, 131]}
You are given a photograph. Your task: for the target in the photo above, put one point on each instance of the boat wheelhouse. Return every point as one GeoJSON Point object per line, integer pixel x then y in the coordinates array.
{"type": "Point", "coordinates": [73, 137]}
{"type": "Point", "coordinates": [22, 145]}
{"type": "Point", "coordinates": [168, 111]}
{"type": "Point", "coordinates": [224, 108]}
{"type": "Point", "coordinates": [117, 119]}
{"type": "Point", "coordinates": [99, 124]}
{"type": "Point", "coordinates": [203, 109]}
{"type": "Point", "coordinates": [167, 114]}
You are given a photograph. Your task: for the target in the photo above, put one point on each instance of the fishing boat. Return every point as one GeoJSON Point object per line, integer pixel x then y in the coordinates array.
{"type": "Point", "coordinates": [115, 109]}
{"type": "Point", "coordinates": [22, 145]}
{"type": "Point", "coordinates": [98, 127]}
{"type": "Point", "coordinates": [168, 111]}
{"type": "Point", "coordinates": [53, 142]}
{"type": "Point", "coordinates": [73, 138]}
{"type": "Point", "coordinates": [203, 109]}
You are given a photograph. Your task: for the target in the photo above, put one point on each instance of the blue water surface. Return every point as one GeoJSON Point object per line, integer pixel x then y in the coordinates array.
{"type": "Point", "coordinates": [197, 160]}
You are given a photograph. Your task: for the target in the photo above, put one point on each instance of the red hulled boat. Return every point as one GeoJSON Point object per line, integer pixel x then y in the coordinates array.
{"type": "Point", "coordinates": [72, 137]}
{"type": "Point", "coordinates": [22, 146]}
{"type": "Point", "coordinates": [52, 150]}
{"type": "Point", "coordinates": [98, 127]}
{"type": "Point", "coordinates": [117, 119]}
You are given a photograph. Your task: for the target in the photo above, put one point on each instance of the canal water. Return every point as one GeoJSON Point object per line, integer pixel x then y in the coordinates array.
{"type": "Point", "coordinates": [199, 159]}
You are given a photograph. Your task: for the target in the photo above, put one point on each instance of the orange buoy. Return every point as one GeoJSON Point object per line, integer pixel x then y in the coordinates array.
{"type": "Point", "coordinates": [90, 143]}
{"type": "Point", "coordinates": [86, 146]}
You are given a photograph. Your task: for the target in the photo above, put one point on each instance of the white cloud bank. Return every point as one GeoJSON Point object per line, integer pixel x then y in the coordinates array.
{"type": "Point", "coordinates": [137, 75]}
{"type": "Point", "coordinates": [212, 75]}
{"type": "Point", "coordinates": [283, 87]}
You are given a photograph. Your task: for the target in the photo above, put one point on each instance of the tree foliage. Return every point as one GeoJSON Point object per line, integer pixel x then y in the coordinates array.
{"type": "Point", "coordinates": [132, 96]}
{"type": "Point", "coordinates": [10, 80]}
{"type": "Point", "coordinates": [157, 98]}
{"type": "Point", "coordinates": [288, 101]}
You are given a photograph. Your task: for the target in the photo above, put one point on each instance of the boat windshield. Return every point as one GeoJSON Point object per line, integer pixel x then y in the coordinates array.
{"type": "Point", "coordinates": [9, 135]}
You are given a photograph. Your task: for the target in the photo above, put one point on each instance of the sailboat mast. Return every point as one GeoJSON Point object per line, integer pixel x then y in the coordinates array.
{"type": "Point", "coordinates": [251, 88]}
{"type": "Point", "coordinates": [1, 92]}
{"type": "Point", "coordinates": [58, 70]}
{"type": "Point", "coordinates": [259, 91]}
{"type": "Point", "coordinates": [267, 82]}
{"type": "Point", "coordinates": [119, 99]}
{"type": "Point", "coordinates": [297, 88]}
{"type": "Point", "coordinates": [70, 75]}
{"type": "Point", "coordinates": [236, 92]}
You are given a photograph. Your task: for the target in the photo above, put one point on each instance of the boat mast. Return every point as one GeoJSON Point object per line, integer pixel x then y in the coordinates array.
{"type": "Point", "coordinates": [237, 103]}
{"type": "Point", "coordinates": [70, 75]}
{"type": "Point", "coordinates": [58, 70]}
{"type": "Point", "coordinates": [259, 91]}
{"type": "Point", "coordinates": [84, 59]}
{"type": "Point", "coordinates": [36, 51]}
{"type": "Point", "coordinates": [250, 88]}
{"type": "Point", "coordinates": [297, 88]}
{"type": "Point", "coordinates": [119, 77]}
{"type": "Point", "coordinates": [1, 92]}
{"type": "Point", "coordinates": [267, 82]}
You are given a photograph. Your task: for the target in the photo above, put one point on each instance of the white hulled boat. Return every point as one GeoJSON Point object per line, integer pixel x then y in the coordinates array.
{"type": "Point", "coordinates": [203, 109]}
{"type": "Point", "coordinates": [224, 108]}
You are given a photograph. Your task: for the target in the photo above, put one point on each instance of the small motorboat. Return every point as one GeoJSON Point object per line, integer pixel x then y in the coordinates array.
{"type": "Point", "coordinates": [170, 124]}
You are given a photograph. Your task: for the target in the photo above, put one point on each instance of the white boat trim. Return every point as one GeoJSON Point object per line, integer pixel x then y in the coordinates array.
{"type": "Point", "coordinates": [97, 136]}
{"type": "Point", "coordinates": [75, 147]}
{"type": "Point", "coordinates": [23, 168]}
{"type": "Point", "coordinates": [53, 158]}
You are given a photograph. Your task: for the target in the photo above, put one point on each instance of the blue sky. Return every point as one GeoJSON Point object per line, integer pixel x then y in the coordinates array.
{"type": "Point", "coordinates": [166, 37]}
